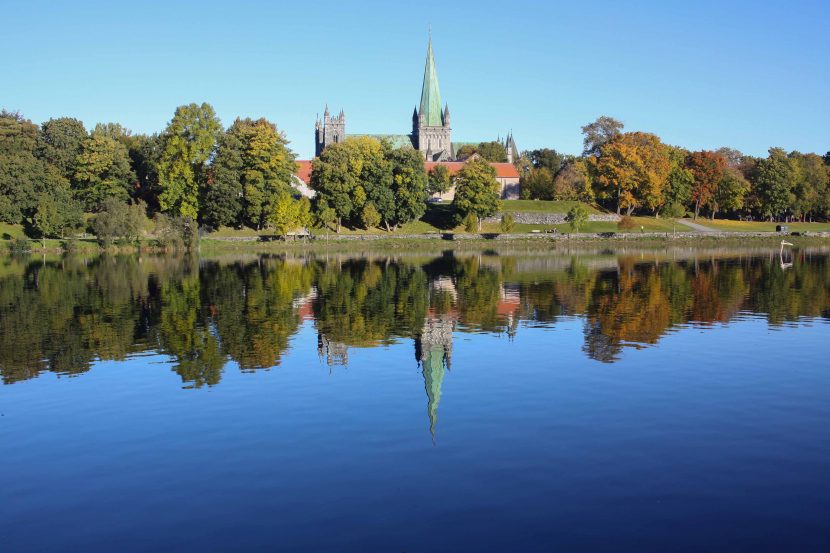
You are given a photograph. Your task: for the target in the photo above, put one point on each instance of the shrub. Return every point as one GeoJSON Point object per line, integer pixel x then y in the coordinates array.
{"type": "Point", "coordinates": [120, 221]}
{"type": "Point", "coordinates": [370, 216]}
{"type": "Point", "coordinates": [507, 222]}
{"type": "Point", "coordinates": [577, 217]}
{"type": "Point", "coordinates": [20, 246]}
{"type": "Point", "coordinates": [674, 211]}
{"type": "Point", "coordinates": [175, 233]}
{"type": "Point", "coordinates": [626, 223]}
{"type": "Point", "coordinates": [471, 222]}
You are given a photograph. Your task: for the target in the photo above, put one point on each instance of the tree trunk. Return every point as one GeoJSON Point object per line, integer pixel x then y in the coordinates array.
{"type": "Point", "coordinates": [386, 224]}
{"type": "Point", "coordinates": [479, 224]}
{"type": "Point", "coordinates": [697, 209]}
{"type": "Point", "coordinates": [338, 226]}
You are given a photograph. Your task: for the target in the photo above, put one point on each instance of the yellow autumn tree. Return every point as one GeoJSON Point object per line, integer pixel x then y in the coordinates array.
{"type": "Point", "coordinates": [631, 171]}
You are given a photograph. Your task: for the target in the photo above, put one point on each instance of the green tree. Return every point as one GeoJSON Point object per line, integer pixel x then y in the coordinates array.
{"type": "Point", "coordinates": [325, 215]}
{"type": "Point", "coordinates": [145, 156]}
{"type": "Point", "coordinates": [547, 158]}
{"type": "Point", "coordinates": [409, 186]}
{"type": "Point", "coordinates": [221, 203]}
{"type": "Point", "coordinates": [116, 131]}
{"type": "Point", "coordinates": [23, 177]}
{"type": "Point", "coordinates": [59, 144]}
{"type": "Point", "coordinates": [811, 185]}
{"type": "Point", "coordinates": [266, 170]}
{"type": "Point", "coordinates": [57, 213]}
{"type": "Point", "coordinates": [577, 217]}
{"type": "Point", "coordinates": [774, 181]}
{"type": "Point", "coordinates": [285, 214]}
{"type": "Point", "coordinates": [492, 151]}
{"type": "Point", "coordinates": [680, 180]}
{"type": "Point", "coordinates": [466, 150]}
{"type": "Point", "coordinates": [599, 133]}
{"type": "Point", "coordinates": [730, 193]}
{"type": "Point", "coordinates": [189, 142]}
{"type": "Point", "coordinates": [102, 170]}
{"type": "Point", "coordinates": [536, 184]}
{"type": "Point", "coordinates": [440, 181]}
{"type": "Point", "coordinates": [342, 174]}
{"type": "Point", "coordinates": [119, 220]}
{"type": "Point", "coordinates": [476, 190]}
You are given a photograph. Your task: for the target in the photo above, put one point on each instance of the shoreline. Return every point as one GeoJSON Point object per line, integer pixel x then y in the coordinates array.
{"type": "Point", "coordinates": [433, 241]}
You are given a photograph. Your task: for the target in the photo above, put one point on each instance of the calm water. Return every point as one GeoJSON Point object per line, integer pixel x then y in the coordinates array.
{"type": "Point", "coordinates": [670, 401]}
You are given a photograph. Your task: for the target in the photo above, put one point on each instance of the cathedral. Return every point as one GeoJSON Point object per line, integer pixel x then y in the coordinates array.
{"type": "Point", "coordinates": [431, 131]}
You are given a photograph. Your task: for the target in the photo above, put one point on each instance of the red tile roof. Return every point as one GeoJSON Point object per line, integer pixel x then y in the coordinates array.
{"type": "Point", "coordinates": [503, 170]}
{"type": "Point", "coordinates": [304, 170]}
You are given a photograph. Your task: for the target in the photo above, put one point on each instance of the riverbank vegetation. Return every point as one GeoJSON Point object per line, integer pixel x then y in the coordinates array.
{"type": "Point", "coordinates": [635, 172]}
{"type": "Point", "coordinates": [61, 182]}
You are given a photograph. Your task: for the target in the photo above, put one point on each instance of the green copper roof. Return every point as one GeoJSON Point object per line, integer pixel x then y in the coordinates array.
{"type": "Point", "coordinates": [430, 95]}
{"type": "Point", "coordinates": [433, 371]}
{"type": "Point", "coordinates": [395, 140]}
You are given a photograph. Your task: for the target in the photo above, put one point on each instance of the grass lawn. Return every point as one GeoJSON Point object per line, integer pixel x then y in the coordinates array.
{"type": "Point", "coordinates": [761, 226]}
{"type": "Point", "coordinates": [539, 206]}
{"type": "Point", "coordinates": [10, 232]}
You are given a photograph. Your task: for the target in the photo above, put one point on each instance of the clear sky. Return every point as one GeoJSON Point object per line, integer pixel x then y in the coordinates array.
{"type": "Point", "coordinates": [702, 74]}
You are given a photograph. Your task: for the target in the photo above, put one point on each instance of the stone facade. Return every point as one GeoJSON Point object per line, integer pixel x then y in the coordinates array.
{"type": "Point", "coordinates": [530, 218]}
{"type": "Point", "coordinates": [330, 130]}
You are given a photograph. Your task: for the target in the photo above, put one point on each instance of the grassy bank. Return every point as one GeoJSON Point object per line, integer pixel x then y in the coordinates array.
{"type": "Point", "coordinates": [725, 225]}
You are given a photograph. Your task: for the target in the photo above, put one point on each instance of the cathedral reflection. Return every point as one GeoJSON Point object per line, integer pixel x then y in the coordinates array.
{"type": "Point", "coordinates": [62, 315]}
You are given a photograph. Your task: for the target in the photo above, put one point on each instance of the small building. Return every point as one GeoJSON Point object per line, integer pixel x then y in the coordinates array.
{"type": "Point", "coordinates": [506, 174]}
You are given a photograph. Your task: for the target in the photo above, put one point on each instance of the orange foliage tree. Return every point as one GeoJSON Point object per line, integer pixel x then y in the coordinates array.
{"type": "Point", "coordinates": [707, 170]}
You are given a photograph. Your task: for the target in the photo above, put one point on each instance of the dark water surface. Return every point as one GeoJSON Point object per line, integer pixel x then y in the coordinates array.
{"type": "Point", "coordinates": [670, 401]}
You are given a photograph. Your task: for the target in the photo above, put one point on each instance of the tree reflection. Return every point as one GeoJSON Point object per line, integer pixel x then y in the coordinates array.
{"type": "Point", "coordinates": [64, 314]}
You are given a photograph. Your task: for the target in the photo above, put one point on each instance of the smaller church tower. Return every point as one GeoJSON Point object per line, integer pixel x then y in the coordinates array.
{"type": "Point", "coordinates": [331, 130]}
{"type": "Point", "coordinates": [510, 148]}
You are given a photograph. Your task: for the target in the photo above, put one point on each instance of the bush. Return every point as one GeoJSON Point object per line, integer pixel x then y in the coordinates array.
{"type": "Point", "coordinates": [370, 216]}
{"type": "Point", "coordinates": [118, 221]}
{"type": "Point", "coordinates": [471, 222]}
{"type": "Point", "coordinates": [507, 222]}
{"type": "Point", "coordinates": [674, 211]}
{"type": "Point", "coordinates": [175, 233]}
{"type": "Point", "coordinates": [626, 223]}
{"type": "Point", "coordinates": [20, 246]}
{"type": "Point", "coordinates": [577, 217]}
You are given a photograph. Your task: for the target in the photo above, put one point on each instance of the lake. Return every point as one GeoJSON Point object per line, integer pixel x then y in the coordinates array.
{"type": "Point", "coordinates": [628, 400]}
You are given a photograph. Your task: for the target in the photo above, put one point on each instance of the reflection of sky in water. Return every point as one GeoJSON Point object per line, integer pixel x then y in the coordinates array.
{"type": "Point", "coordinates": [490, 426]}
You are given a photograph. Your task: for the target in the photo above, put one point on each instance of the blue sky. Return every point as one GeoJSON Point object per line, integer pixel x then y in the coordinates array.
{"type": "Point", "coordinates": [702, 74]}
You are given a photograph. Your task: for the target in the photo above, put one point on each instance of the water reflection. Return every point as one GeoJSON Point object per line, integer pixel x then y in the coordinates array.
{"type": "Point", "coordinates": [62, 315]}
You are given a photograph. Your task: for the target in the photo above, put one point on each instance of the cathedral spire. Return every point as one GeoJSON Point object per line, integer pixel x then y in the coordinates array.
{"type": "Point", "coordinates": [430, 95]}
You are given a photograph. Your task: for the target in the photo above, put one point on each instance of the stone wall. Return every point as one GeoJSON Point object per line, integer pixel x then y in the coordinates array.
{"type": "Point", "coordinates": [540, 218]}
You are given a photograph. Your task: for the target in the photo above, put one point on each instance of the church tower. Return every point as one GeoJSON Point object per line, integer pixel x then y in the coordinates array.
{"type": "Point", "coordinates": [431, 124]}
{"type": "Point", "coordinates": [330, 130]}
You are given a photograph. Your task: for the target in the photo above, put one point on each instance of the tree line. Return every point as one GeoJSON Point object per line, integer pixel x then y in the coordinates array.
{"type": "Point", "coordinates": [197, 173]}
{"type": "Point", "coordinates": [636, 172]}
